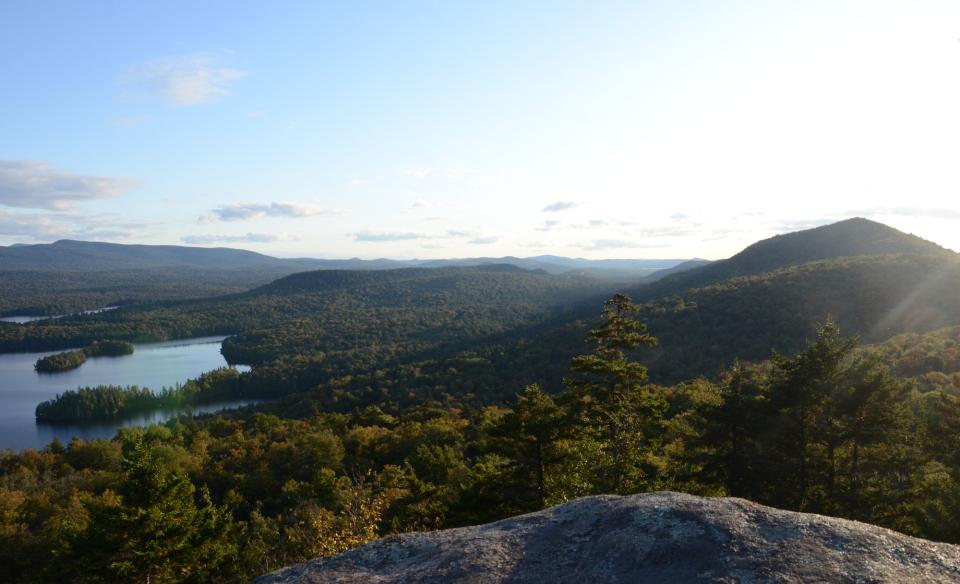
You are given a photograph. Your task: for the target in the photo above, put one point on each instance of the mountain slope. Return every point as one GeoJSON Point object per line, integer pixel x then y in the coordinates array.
{"type": "Point", "coordinates": [873, 297]}
{"type": "Point", "coordinates": [72, 276]}
{"type": "Point", "coordinates": [349, 320]}
{"type": "Point", "coordinates": [849, 238]}
{"type": "Point", "coordinates": [655, 537]}
{"type": "Point", "coordinates": [705, 320]}
{"type": "Point", "coordinates": [323, 280]}
{"type": "Point", "coordinates": [92, 256]}
{"type": "Point", "coordinates": [626, 269]}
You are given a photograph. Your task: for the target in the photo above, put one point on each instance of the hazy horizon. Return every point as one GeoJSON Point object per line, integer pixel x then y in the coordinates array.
{"type": "Point", "coordinates": [594, 130]}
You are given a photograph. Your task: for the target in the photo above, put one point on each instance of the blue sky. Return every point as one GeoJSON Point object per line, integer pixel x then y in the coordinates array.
{"type": "Point", "coordinates": [452, 129]}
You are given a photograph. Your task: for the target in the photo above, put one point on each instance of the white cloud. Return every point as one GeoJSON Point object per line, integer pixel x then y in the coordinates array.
{"type": "Point", "coordinates": [559, 206]}
{"type": "Point", "coordinates": [185, 80]}
{"type": "Point", "coordinates": [246, 238]}
{"type": "Point", "coordinates": [247, 211]}
{"type": "Point", "coordinates": [484, 240]}
{"type": "Point", "coordinates": [37, 185]}
{"type": "Point", "coordinates": [475, 237]}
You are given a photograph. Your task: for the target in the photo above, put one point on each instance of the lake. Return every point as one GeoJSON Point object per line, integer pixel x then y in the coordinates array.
{"type": "Point", "coordinates": [153, 365]}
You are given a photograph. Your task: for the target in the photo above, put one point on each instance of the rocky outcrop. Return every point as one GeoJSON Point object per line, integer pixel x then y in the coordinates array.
{"type": "Point", "coordinates": [656, 537]}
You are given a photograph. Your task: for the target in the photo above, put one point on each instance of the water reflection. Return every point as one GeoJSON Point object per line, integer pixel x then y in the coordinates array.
{"type": "Point", "coordinates": [45, 433]}
{"type": "Point", "coordinates": [153, 365]}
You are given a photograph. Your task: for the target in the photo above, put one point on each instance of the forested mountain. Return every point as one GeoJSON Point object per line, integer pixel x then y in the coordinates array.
{"type": "Point", "coordinates": [76, 256]}
{"type": "Point", "coordinates": [55, 292]}
{"type": "Point", "coordinates": [419, 398]}
{"type": "Point", "coordinates": [873, 297]}
{"type": "Point", "coordinates": [71, 276]}
{"type": "Point", "coordinates": [830, 431]}
{"type": "Point", "coordinates": [852, 237]}
{"type": "Point", "coordinates": [347, 319]}
{"type": "Point", "coordinates": [677, 269]}
{"type": "Point", "coordinates": [873, 280]}
{"type": "Point", "coordinates": [87, 256]}
{"type": "Point", "coordinates": [434, 278]}
{"type": "Point", "coordinates": [509, 323]}
{"type": "Point", "coordinates": [625, 270]}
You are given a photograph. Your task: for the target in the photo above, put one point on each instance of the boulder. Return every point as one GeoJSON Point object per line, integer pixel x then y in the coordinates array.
{"type": "Point", "coordinates": [653, 537]}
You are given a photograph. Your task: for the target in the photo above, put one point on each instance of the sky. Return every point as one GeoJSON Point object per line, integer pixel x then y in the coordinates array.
{"type": "Point", "coordinates": [414, 129]}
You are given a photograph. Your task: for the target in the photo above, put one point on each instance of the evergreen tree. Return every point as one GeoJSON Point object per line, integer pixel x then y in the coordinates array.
{"type": "Point", "coordinates": [801, 389]}
{"type": "Point", "coordinates": [610, 401]}
{"type": "Point", "coordinates": [531, 430]}
{"type": "Point", "coordinates": [733, 433]}
{"type": "Point", "coordinates": [157, 529]}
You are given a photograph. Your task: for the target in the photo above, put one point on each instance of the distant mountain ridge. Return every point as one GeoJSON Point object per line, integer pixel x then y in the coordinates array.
{"type": "Point", "coordinates": [320, 280]}
{"type": "Point", "coordinates": [612, 268]}
{"type": "Point", "coordinates": [88, 256]}
{"type": "Point", "coordinates": [70, 255]}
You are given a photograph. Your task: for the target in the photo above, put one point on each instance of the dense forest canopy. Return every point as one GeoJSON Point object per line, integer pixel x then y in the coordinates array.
{"type": "Point", "coordinates": [829, 430]}
{"type": "Point", "coordinates": [818, 371]}
{"type": "Point", "coordinates": [72, 276]}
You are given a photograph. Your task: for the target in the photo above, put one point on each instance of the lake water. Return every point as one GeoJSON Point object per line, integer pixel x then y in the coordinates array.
{"type": "Point", "coordinates": [153, 365]}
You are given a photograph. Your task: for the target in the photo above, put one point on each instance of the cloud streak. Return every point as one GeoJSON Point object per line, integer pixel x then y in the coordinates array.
{"type": "Point", "coordinates": [52, 226]}
{"type": "Point", "coordinates": [248, 211]}
{"type": "Point", "coordinates": [381, 236]}
{"type": "Point", "coordinates": [473, 237]}
{"type": "Point", "coordinates": [185, 80]}
{"type": "Point", "coordinates": [37, 185]}
{"type": "Point", "coordinates": [245, 238]}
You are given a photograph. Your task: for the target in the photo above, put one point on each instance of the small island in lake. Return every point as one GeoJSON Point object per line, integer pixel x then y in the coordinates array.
{"type": "Point", "coordinates": [109, 402]}
{"type": "Point", "coordinates": [61, 362]}
{"type": "Point", "coordinates": [72, 359]}
{"type": "Point", "coordinates": [109, 349]}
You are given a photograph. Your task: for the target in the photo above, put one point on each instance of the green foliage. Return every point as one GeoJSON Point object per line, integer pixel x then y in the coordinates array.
{"type": "Point", "coordinates": [108, 402]}
{"type": "Point", "coordinates": [830, 429]}
{"type": "Point", "coordinates": [50, 293]}
{"type": "Point", "coordinates": [72, 359]}
{"type": "Point", "coordinates": [108, 349]}
{"type": "Point", "coordinates": [610, 401]}
{"type": "Point", "coordinates": [60, 362]}
{"type": "Point", "coordinates": [703, 330]}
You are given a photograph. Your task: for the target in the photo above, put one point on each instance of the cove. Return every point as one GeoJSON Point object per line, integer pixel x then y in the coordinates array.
{"type": "Point", "coordinates": [153, 365]}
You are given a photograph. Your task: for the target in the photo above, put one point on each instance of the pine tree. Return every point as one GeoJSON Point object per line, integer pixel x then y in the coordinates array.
{"type": "Point", "coordinates": [802, 389]}
{"type": "Point", "coordinates": [733, 431]}
{"type": "Point", "coordinates": [531, 430]}
{"type": "Point", "coordinates": [157, 529]}
{"type": "Point", "coordinates": [610, 401]}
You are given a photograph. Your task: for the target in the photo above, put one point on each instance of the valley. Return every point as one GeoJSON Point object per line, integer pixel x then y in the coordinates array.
{"type": "Point", "coordinates": [817, 371]}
